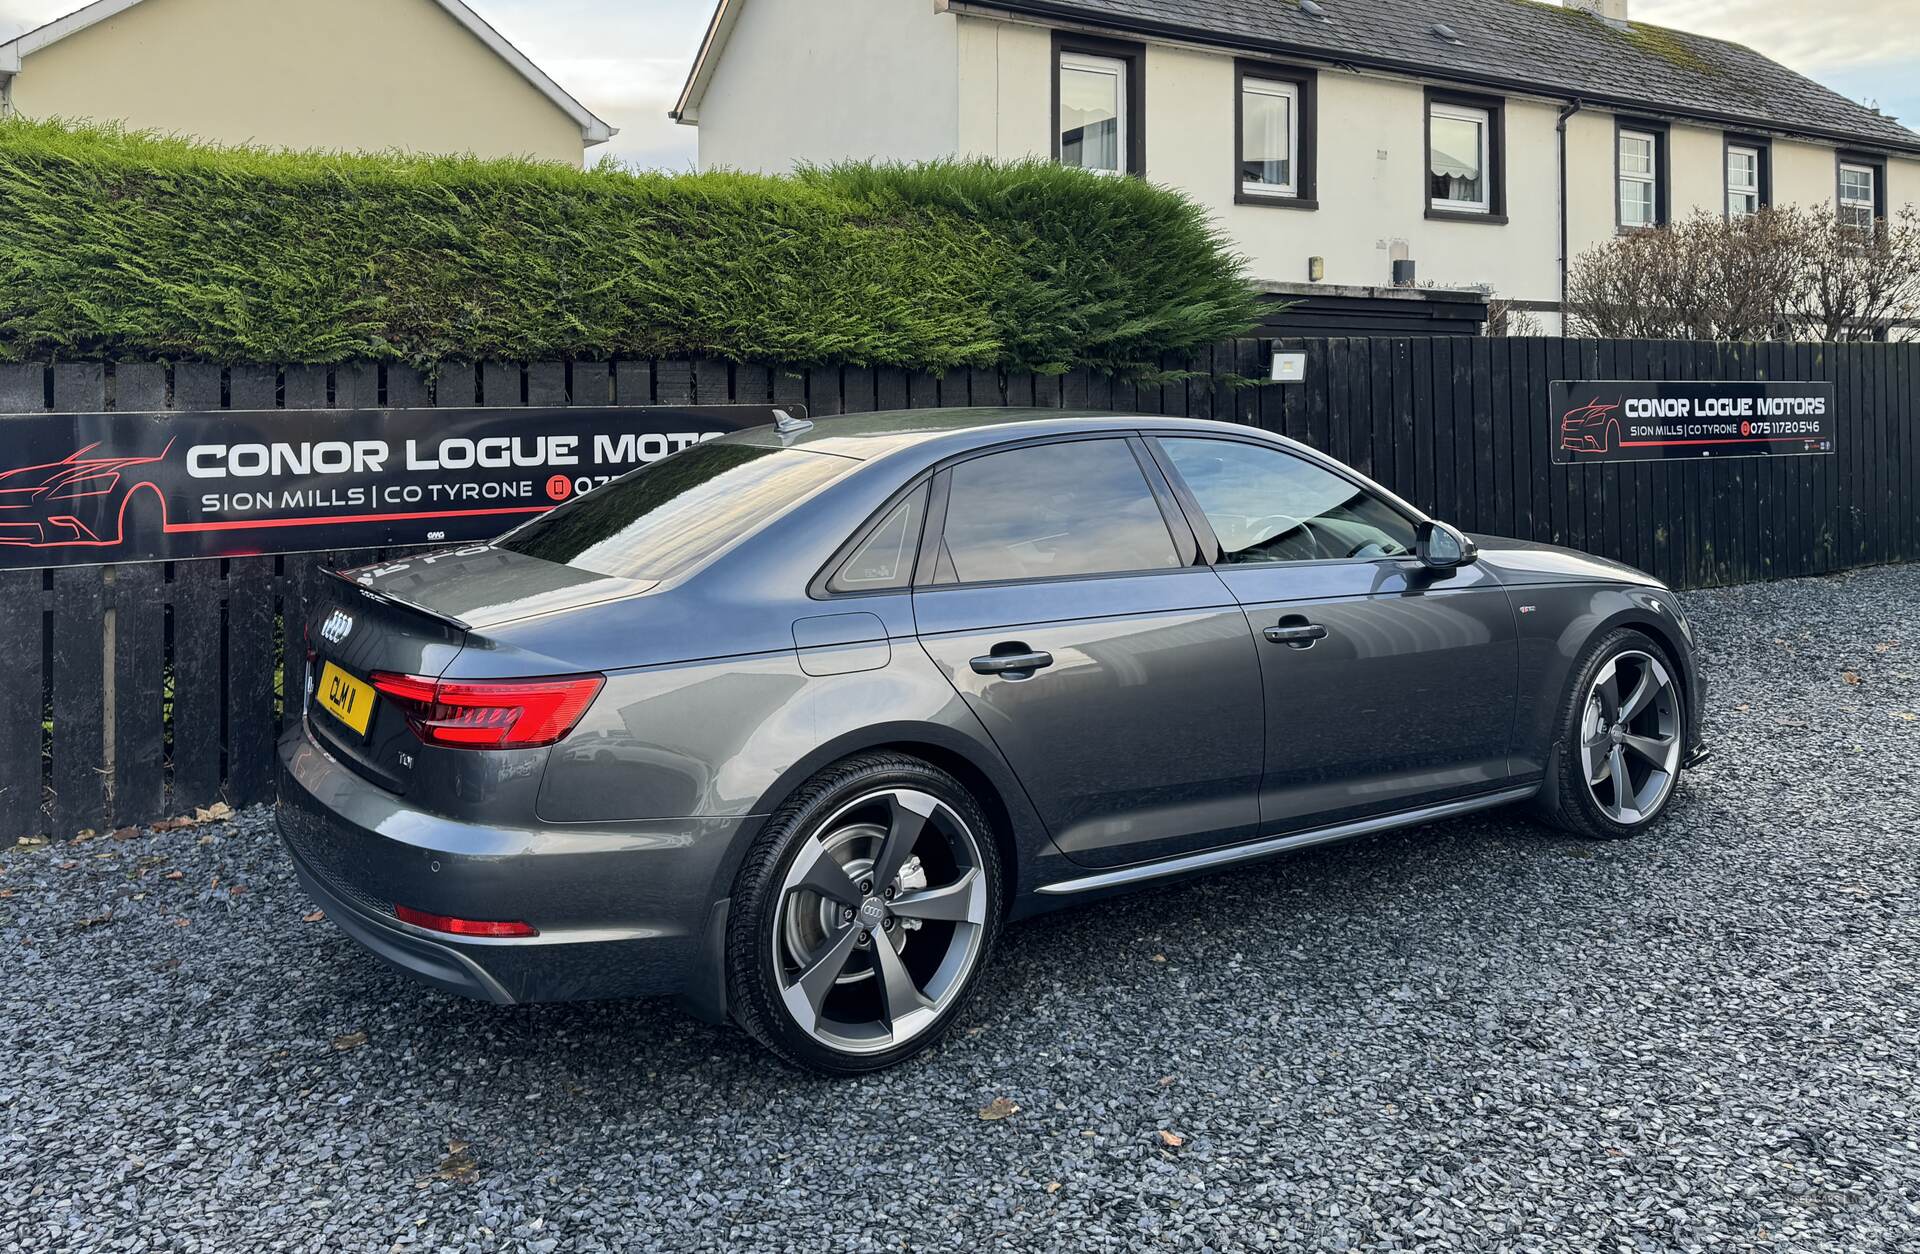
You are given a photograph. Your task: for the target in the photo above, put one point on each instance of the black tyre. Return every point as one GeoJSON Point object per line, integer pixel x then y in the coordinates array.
{"type": "Point", "coordinates": [863, 916]}
{"type": "Point", "coordinates": [1623, 732]}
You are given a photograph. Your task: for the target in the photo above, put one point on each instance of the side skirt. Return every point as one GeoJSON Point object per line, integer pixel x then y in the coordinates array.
{"type": "Point", "coordinates": [1259, 849]}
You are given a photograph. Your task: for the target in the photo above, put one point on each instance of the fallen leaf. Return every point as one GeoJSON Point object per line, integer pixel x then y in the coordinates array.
{"type": "Point", "coordinates": [349, 1040]}
{"type": "Point", "coordinates": [999, 1108]}
{"type": "Point", "coordinates": [1905, 717]}
{"type": "Point", "coordinates": [5, 892]}
{"type": "Point", "coordinates": [85, 833]}
{"type": "Point", "coordinates": [95, 921]}
{"type": "Point", "coordinates": [204, 840]}
{"type": "Point", "coordinates": [1743, 707]}
{"type": "Point", "coordinates": [1859, 892]}
{"type": "Point", "coordinates": [213, 813]}
{"type": "Point", "coordinates": [458, 1166]}
{"type": "Point", "coordinates": [68, 866]}
{"type": "Point", "coordinates": [1053, 1186]}
{"type": "Point", "coordinates": [174, 875]}
{"type": "Point", "coordinates": [1883, 648]}
{"type": "Point", "coordinates": [32, 842]}
{"type": "Point", "coordinates": [1159, 957]}
{"type": "Point", "coordinates": [236, 890]}
{"type": "Point", "coordinates": [1165, 1080]}
{"type": "Point", "coordinates": [183, 922]}
{"type": "Point", "coordinates": [1849, 677]}
{"type": "Point", "coordinates": [316, 917]}
{"type": "Point", "coordinates": [1172, 1140]}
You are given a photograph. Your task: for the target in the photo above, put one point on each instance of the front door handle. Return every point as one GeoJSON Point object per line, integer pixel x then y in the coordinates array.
{"type": "Point", "coordinates": [1014, 665]}
{"type": "Point", "coordinates": [1298, 635]}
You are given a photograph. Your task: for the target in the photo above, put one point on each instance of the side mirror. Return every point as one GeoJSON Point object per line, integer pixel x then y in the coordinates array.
{"type": "Point", "coordinates": [1442, 547]}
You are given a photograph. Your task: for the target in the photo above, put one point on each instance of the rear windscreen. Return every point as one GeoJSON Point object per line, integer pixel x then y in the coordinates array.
{"type": "Point", "coordinates": [666, 518]}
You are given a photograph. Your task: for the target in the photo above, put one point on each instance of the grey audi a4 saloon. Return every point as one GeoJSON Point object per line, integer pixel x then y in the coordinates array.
{"type": "Point", "coordinates": [789, 725]}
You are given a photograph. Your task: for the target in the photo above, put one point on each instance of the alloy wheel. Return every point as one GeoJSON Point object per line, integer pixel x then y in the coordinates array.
{"type": "Point", "coordinates": [1630, 737]}
{"type": "Point", "coordinates": [880, 921]}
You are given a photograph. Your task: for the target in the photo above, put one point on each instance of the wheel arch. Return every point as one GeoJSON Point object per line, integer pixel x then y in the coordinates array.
{"type": "Point", "coordinates": [1017, 831]}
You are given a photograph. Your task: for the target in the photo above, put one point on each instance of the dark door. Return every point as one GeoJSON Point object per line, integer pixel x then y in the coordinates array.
{"type": "Point", "coordinates": [1116, 676]}
{"type": "Point", "coordinates": [1388, 686]}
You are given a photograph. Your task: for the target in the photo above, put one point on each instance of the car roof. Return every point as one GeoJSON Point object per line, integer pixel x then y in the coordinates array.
{"type": "Point", "coordinates": [940, 433]}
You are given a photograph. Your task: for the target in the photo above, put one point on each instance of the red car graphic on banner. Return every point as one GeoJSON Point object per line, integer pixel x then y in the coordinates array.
{"type": "Point", "coordinates": [79, 502]}
{"type": "Point", "coordinates": [1592, 428]}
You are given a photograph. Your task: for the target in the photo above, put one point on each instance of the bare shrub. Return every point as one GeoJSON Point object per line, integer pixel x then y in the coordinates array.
{"type": "Point", "coordinates": [1778, 274]}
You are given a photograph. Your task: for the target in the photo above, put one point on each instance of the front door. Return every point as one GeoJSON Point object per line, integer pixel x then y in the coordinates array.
{"type": "Point", "coordinates": [1388, 686]}
{"type": "Point", "coordinates": [1116, 676]}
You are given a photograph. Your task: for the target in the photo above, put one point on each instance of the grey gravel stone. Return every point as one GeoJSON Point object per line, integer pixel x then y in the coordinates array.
{"type": "Point", "coordinates": [1476, 1036]}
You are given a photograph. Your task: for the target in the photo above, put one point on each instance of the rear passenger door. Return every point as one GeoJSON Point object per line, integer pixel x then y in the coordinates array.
{"type": "Point", "coordinates": [1115, 673]}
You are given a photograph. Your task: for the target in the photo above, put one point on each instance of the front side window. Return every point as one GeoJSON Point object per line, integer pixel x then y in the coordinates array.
{"type": "Point", "coordinates": [1266, 505]}
{"type": "Point", "coordinates": [1743, 182]}
{"type": "Point", "coordinates": [1858, 199]}
{"type": "Point", "coordinates": [1459, 156]}
{"type": "Point", "coordinates": [668, 517]}
{"type": "Point", "coordinates": [1639, 180]}
{"type": "Point", "coordinates": [1093, 112]}
{"type": "Point", "coordinates": [1052, 511]}
{"type": "Point", "coordinates": [1269, 137]}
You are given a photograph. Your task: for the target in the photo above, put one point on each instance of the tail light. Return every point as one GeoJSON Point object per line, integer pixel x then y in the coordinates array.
{"type": "Point", "coordinates": [490, 713]}
{"type": "Point", "coordinates": [461, 927]}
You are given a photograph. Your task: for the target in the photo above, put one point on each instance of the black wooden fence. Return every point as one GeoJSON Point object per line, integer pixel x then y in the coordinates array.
{"type": "Point", "coordinates": [133, 692]}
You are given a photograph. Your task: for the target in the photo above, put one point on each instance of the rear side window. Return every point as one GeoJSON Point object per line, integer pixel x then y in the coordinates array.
{"type": "Point", "coordinates": [1269, 506]}
{"type": "Point", "coordinates": [1052, 511]}
{"type": "Point", "coordinates": [884, 559]}
{"type": "Point", "coordinates": [666, 518]}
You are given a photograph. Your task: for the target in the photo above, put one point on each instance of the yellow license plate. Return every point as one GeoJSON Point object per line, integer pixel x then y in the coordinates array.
{"type": "Point", "coordinates": [345, 697]}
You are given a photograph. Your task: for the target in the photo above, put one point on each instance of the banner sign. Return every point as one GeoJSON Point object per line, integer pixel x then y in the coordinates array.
{"type": "Point", "coordinates": [92, 489]}
{"type": "Point", "coordinates": [1624, 421]}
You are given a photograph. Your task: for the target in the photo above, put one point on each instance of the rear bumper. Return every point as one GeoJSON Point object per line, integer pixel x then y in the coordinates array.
{"type": "Point", "coordinates": [622, 911]}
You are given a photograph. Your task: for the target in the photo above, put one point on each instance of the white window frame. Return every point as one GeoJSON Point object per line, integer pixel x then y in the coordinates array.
{"type": "Point", "coordinates": [1253, 84]}
{"type": "Point", "coordinates": [1649, 180]}
{"type": "Point", "coordinates": [1845, 203]}
{"type": "Point", "coordinates": [1744, 191]}
{"type": "Point", "coordinates": [1483, 118]}
{"type": "Point", "coordinates": [1116, 68]}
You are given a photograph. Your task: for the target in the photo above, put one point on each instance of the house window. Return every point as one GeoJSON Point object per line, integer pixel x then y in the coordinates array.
{"type": "Point", "coordinates": [1099, 104]}
{"type": "Point", "coordinates": [1274, 140]}
{"type": "Point", "coordinates": [1744, 197]}
{"type": "Point", "coordinates": [1639, 176]}
{"type": "Point", "coordinates": [1459, 158]}
{"type": "Point", "coordinates": [1269, 137]}
{"type": "Point", "coordinates": [1093, 113]}
{"type": "Point", "coordinates": [1859, 195]}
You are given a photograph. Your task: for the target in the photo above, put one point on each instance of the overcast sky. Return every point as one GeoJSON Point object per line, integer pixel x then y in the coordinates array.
{"type": "Point", "coordinates": [626, 59]}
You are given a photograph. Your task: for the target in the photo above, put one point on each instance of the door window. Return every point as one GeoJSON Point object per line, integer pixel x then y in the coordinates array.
{"type": "Point", "coordinates": [1266, 505]}
{"type": "Point", "coordinates": [1052, 511]}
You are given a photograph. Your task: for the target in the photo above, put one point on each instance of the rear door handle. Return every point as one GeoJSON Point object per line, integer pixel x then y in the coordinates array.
{"type": "Point", "coordinates": [1299, 635]}
{"type": "Point", "coordinates": [1016, 665]}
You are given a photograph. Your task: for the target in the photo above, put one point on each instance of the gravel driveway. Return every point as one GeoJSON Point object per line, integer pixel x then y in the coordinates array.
{"type": "Point", "coordinates": [1472, 1036]}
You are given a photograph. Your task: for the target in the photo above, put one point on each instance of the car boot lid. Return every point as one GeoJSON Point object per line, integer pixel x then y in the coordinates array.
{"type": "Point", "coordinates": [479, 586]}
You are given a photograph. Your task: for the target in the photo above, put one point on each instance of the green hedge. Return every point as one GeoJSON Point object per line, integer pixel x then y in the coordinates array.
{"type": "Point", "coordinates": [137, 246]}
